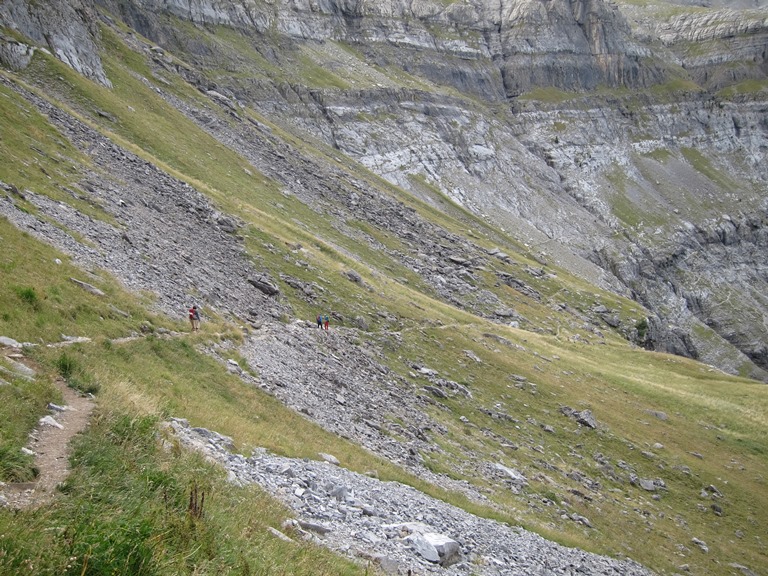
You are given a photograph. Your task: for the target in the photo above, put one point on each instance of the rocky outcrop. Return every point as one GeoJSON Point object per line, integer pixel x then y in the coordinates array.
{"type": "Point", "coordinates": [491, 49]}
{"type": "Point", "coordinates": [192, 252]}
{"type": "Point", "coordinates": [67, 28]}
{"type": "Point", "coordinates": [572, 46]}
{"type": "Point", "coordinates": [735, 44]}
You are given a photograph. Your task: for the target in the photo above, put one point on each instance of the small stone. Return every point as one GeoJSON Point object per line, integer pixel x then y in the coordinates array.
{"type": "Point", "coordinates": [10, 342]}
{"type": "Point", "coordinates": [276, 532]}
{"type": "Point", "coordinates": [330, 458]}
{"type": "Point", "coordinates": [88, 287]}
{"type": "Point", "coordinates": [701, 544]}
{"type": "Point", "coordinates": [314, 527]}
{"type": "Point", "coordinates": [50, 421]}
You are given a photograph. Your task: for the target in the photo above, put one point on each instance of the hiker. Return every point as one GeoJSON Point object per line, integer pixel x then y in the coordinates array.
{"type": "Point", "coordinates": [194, 318]}
{"type": "Point", "coordinates": [326, 321]}
{"type": "Point", "coordinates": [319, 320]}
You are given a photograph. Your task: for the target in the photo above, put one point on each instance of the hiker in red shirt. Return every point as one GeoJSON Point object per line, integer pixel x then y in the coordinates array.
{"type": "Point", "coordinates": [194, 318]}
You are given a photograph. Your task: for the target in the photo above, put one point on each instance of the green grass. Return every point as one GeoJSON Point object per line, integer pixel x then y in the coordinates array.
{"type": "Point", "coordinates": [744, 87]}
{"type": "Point", "coordinates": [36, 157]}
{"type": "Point", "coordinates": [42, 302]}
{"type": "Point", "coordinates": [675, 85]}
{"type": "Point", "coordinates": [21, 403]}
{"type": "Point", "coordinates": [131, 507]}
{"type": "Point", "coordinates": [549, 95]}
{"type": "Point", "coordinates": [661, 155]}
{"type": "Point", "coordinates": [124, 509]}
{"type": "Point", "coordinates": [622, 388]}
{"type": "Point", "coordinates": [634, 212]}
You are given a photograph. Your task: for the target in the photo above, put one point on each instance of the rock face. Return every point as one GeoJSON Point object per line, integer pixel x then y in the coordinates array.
{"type": "Point", "coordinates": [66, 29]}
{"type": "Point", "coordinates": [494, 49]}
{"type": "Point", "coordinates": [658, 195]}
{"type": "Point", "coordinates": [736, 38]}
{"type": "Point", "coordinates": [571, 46]}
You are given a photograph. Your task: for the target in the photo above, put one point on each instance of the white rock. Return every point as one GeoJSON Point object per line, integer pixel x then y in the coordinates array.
{"type": "Point", "coordinates": [50, 421]}
{"type": "Point", "coordinates": [330, 458]}
{"type": "Point", "coordinates": [516, 477]}
{"type": "Point", "coordinates": [424, 548]}
{"type": "Point", "coordinates": [447, 548]}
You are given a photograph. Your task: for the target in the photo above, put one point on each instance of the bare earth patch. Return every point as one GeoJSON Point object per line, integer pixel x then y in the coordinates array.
{"type": "Point", "coordinates": [51, 444]}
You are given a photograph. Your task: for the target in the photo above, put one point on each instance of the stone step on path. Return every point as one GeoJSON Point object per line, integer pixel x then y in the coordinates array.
{"type": "Point", "coordinates": [395, 526]}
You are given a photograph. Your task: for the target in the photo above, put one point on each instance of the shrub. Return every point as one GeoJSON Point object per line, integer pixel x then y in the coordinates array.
{"type": "Point", "coordinates": [642, 330]}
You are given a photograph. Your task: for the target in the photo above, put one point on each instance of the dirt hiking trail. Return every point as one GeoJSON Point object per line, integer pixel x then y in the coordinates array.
{"type": "Point", "coordinates": [50, 441]}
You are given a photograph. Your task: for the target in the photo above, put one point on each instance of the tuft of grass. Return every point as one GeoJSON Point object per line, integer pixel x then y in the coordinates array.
{"type": "Point", "coordinates": [15, 466]}
{"type": "Point", "coordinates": [66, 365]}
{"type": "Point", "coordinates": [70, 368]}
{"type": "Point", "coordinates": [28, 296]}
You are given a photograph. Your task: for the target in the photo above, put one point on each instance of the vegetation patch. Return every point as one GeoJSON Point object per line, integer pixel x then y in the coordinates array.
{"type": "Point", "coordinates": [703, 165]}
{"type": "Point", "coordinates": [660, 155]}
{"type": "Point", "coordinates": [22, 400]}
{"type": "Point", "coordinates": [745, 87]}
{"type": "Point", "coordinates": [549, 95]}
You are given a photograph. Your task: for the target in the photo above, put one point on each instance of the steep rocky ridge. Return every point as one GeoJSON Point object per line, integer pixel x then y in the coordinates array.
{"type": "Point", "coordinates": [679, 231]}
{"type": "Point", "coordinates": [716, 47]}
{"type": "Point", "coordinates": [571, 46]}
{"type": "Point", "coordinates": [67, 29]}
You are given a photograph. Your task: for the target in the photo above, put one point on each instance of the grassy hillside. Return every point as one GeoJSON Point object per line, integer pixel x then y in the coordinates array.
{"type": "Point", "coordinates": [126, 507]}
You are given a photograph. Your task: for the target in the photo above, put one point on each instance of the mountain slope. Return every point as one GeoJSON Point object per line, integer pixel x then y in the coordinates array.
{"type": "Point", "coordinates": [534, 118]}
{"type": "Point", "coordinates": [183, 191]}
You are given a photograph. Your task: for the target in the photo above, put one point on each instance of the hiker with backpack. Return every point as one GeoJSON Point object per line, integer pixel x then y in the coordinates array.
{"type": "Point", "coordinates": [194, 318]}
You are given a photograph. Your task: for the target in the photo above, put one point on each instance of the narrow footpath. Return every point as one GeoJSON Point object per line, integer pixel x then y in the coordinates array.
{"type": "Point", "coordinates": [49, 441]}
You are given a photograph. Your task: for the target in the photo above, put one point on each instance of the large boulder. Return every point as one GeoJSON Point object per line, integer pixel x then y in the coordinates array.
{"type": "Point", "coordinates": [436, 548]}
